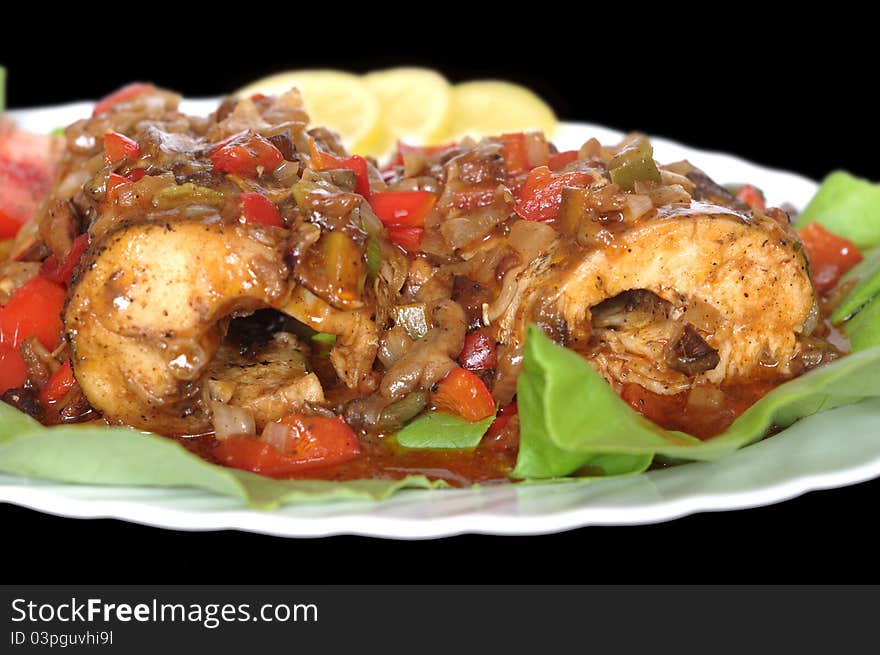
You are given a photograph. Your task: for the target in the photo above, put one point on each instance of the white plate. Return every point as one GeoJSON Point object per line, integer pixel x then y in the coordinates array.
{"type": "Point", "coordinates": [832, 449]}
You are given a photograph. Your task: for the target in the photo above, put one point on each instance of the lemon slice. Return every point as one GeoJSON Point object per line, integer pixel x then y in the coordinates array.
{"type": "Point", "coordinates": [335, 99]}
{"type": "Point", "coordinates": [487, 107]}
{"type": "Point", "coordinates": [414, 104]}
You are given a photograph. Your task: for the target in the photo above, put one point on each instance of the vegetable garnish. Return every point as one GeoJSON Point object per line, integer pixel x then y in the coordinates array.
{"type": "Point", "coordinates": [461, 393]}
{"type": "Point", "coordinates": [830, 255]}
{"type": "Point", "coordinates": [541, 195]}
{"type": "Point", "coordinates": [246, 154]}
{"type": "Point", "coordinates": [305, 443]}
{"type": "Point", "coordinates": [257, 208]}
{"type": "Point", "coordinates": [118, 147]}
{"type": "Point", "coordinates": [58, 385]}
{"type": "Point", "coordinates": [324, 161]}
{"type": "Point", "coordinates": [402, 208]}
{"type": "Point", "coordinates": [124, 94]}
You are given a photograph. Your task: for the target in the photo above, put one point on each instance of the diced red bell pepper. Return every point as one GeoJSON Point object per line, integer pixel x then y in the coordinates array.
{"type": "Point", "coordinates": [124, 94]}
{"type": "Point", "coordinates": [541, 195]}
{"type": "Point", "coordinates": [257, 208]}
{"type": "Point", "coordinates": [830, 256]}
{"type": "Point", "coordinates": [58, 385]}
{"type": "Point", "coordinates": [402, 208]}
{"type": "Point", "coordinates": [324, 161]}
{"type": "Point", "coordinates": [314, 442]}
{"type": "Point", "coordinates": [408, 238]}
{"type": "Point", "coordinates": [515, 153]}
{"type": "Point", "coordinates": [246, 154]}
{"type": "Point", "coordinates": [118, 147]}
{"type": "Point", "coordinates": [560, 160]}
{"type": "Point", "coordinates": [62, 273]}
{"type": "Point", "coordinates": [752, 197]}
{"type": "Point", "coordinates": [504, 415]}
{"type": "Point", "coordinates": [463, 394]}
{"type": "Point", "coordinates": [13, 372]}
{"type": "Point", "coordinates": [479, 352]}
{"type": "Point", "coordinates": [35, 309]}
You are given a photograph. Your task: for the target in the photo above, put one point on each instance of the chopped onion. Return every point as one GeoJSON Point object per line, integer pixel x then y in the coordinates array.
{"type": "Point", "coordinates": [537, 149]}
{"type": "Point", "coordinates": [703, 397]}
{"type": "Point", "coordinates": [276, 434]}
{"type": "Point", "coordinates": [229, 420]}
{"type": "Point", "coordinates": [637, 205]}
{"type": "Point", "coordinates": [531, 238]}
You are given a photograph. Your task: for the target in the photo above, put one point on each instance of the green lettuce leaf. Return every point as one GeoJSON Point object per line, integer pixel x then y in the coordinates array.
{"type": "Point", "coordinates": [100, 455]}
{"type": "Point", "coordinates": [439, 430]}
{"type": "Point", "coordinates": [848, 206]}
{"type": "Point", "coordinates": [569, 413]}
{"type": "Point", "coordinates": [865, 280]}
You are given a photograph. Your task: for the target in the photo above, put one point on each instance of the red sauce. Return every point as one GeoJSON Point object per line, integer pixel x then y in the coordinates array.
{"type": "Point", "coordinates": [674, 412]}
{"type": "Point", "coordinates": [381, 459]}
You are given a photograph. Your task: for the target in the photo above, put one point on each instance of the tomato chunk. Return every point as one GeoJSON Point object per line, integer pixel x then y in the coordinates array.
{"type": "Point", "coordinates": [478, 353]}
{"type": "Point", "coordinates": [830, 255]}
{"type": "Point", "coordinates": [34, 310]}
{"type": "Point", "coordinates": [246, 154]}
{"type": "Point", "coordinates": [403, 208]}
{"type": "Point", "coordinates": [541, 195]}
{"type": "Point", "coordinates": [118, 147]}
{"type": "Point", "coordinates": [58, 385]}
{"type": "Point", "coordinates": [462, 393]}
{"type": "Point", "coordinates": [126, 93]}
{"type": "Point", "coordinates": [257, 208]}
{"type": "Point", "coordinates": [313, 442]}
{"type": "Point", "coordinates": [324, 161]}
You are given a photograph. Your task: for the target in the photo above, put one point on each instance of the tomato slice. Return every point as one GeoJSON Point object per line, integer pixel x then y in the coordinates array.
{"type": "Point", "coordinates": [541, 195]}
{"type": "Point", "coordinates": [403, 208]}
{"type": "Point", "coordinates": [478, 353]}
{"type": "Point", "coordinates": [58, 385]}
{"type": "Point", "coordinates": [462, 393]}
{"type": "Point", "coordinates": [408, 238]}
{"type": "Point", "coordinates": [118, 147]}
{"type": "Point", "coordinates": [35, 309]}
{"type": "Point", "coordinates": [314, 442]}
{"type": "Point", "coordinates": [13, 373]}
{"type": "Point", "coordinates": [830, 255]}
{"type": "Point", "coordinates": [257, 208]}
{"type": "Point", "coordinates": [126, 93]}
{"type": "Point", "coordinates": [324, 161]}
{"type": "Point", "coordinates": [246, 154]}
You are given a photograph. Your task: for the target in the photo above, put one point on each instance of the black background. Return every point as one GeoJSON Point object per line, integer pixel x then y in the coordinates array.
{"type": "Point", "coordinates": [797, 93]}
